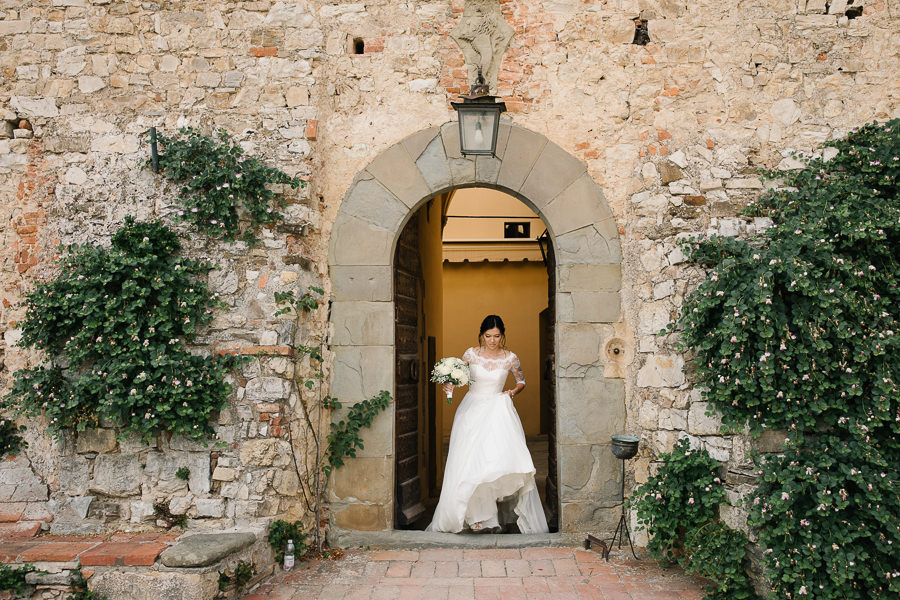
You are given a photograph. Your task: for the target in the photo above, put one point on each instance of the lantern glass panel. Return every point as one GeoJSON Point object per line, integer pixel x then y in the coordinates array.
{"type": "Point", "coordinates": [477, 129]}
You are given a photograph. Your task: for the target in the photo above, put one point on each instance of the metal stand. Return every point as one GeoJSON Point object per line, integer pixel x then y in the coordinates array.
{"type": "Point", "coordinates": [622, 527]}
{"type": "Point", "coordinates": [621, 530]}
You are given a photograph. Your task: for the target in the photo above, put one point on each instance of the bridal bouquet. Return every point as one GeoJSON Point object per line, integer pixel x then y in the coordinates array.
{"type": "Point", "coordinates": [451, 370]}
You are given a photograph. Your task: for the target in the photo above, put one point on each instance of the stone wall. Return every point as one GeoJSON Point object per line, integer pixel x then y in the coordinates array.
{"type": "Point", "coordinates": [673, 130]}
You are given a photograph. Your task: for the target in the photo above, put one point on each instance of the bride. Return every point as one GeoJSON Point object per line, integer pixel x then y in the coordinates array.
{"type": "Point", "coordinates": [488, 462]}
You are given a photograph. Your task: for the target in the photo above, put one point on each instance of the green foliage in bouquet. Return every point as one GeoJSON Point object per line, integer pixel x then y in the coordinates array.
{"type": "Point", "coordinates": [113, 325]}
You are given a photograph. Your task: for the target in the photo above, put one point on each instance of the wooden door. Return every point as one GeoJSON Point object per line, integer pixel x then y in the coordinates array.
{"type": "Point", "coordinates": [548, 387]}
{"type": "Point", "coordinates": [408, 340]}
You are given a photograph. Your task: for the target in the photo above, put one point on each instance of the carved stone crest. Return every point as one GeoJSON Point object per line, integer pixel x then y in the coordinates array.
{"type": "Point", "coordinates": [483, 36]}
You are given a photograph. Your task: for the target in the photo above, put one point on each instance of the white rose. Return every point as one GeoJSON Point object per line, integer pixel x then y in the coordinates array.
{"type": "Point", "coordinates": [442, 369]}
{"type": "Point", "coordinates": [458, 375]}
{"type": "Point", "coordinates": [463, 379]}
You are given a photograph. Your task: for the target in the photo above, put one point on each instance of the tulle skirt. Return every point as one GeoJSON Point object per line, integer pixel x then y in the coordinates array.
{"type": "Point", "coordinates": [489, 475]}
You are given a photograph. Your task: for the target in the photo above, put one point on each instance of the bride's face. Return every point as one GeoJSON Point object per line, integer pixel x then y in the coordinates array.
{"type": "Point", "coordinates": [491, 338]}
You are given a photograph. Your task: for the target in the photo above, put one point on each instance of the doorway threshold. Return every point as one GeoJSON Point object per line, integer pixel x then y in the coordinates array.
{"type": "Point", "coordinates": [398, 539]}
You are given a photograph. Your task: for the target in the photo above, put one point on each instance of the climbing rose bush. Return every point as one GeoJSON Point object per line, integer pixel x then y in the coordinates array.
{"type": "Point", "coordinates": [113, 325]}
{"type": "Point", "coordinates": [684, 493]}
{"type": "Point", "coordinates": [800, 330]}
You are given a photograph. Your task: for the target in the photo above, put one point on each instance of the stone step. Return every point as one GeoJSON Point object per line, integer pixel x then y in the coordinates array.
{"type": "Point", "coordinates": [122, 564]}
{"type": "Point", "coordinates": [404, 540]}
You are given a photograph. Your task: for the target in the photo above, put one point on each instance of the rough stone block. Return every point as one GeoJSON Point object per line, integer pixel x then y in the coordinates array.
{"type": "Point", "coordinates": [522, 151]}
{"type": "Point", "coordinates": [30, 106]}
{"type": "Point", "coordinates": [224, 474]}
{"type": "Point", "coordinates": [373, 202]}
{"type": "Point", "coordinates": [588, 245]}
{"type": "Point", "coordinates": [155, 585]}
{"type": "Point", "coordinates": [223, 281]}
{"type": "Point", "coordinates": [653, 317]}
{"type": "Point", "coordinates": [95, 440]}
{"type": "Point", "coordinates": [363, 283]}
{"type": "Point", "coordinates": [37, 511]}
{"type": "Point", "coordinates": [590, 410]}
{"type": "Point", "coordinates": [264, 452]}
{"type": "Point", "coordinates": [397, 172]}
{"type": "Point", "coordinates": [416, 143]}
{"type": "Point", "coordinates": [286, 482]}
{"type": "Point", "coordinates": [142, 511]}
{"type": "Point", "coordinates": [202, 550]}
{"type": "Point", "coordinates": [432, 164]}
{"type": "Point", "coordinates": [487, 169]}
{"type": "Point", "coordinates": [356, 242]}
{"type": "Point", "coordinates": [462, 171]}
{"type": "Point", "coordinates": [599, 519]}
{"type": "Point", "coordinates": [363, 323]}
{"type": "Point", "coordinates": [363, 480]}
{"type": "Point", "coordinates": [662, 371]}
{"type": "Point", "coordinates": [210, 507]}
{"type": "Point", "coordinates": [590, 278]}
{"type": "Point", "coordinates": [589, 472]}
{"type": "Point", "coordinates": [267, 389]}
{"type": "Point", "coordinates": [361, 517]}
{"type": "Point", "coordinates": [361, 372]}
{"type": "Point", "coordinates": [699, 423]}
{"type": "Point", "coordinates": [116, 144]}
{"type": "Point", "coordinates": [450, 140]}
{"type": "Point", "coordinates": [579, 205]}
{"type": "Point", "coordinates": [590, 307]}
{"type": "Point", "coordinates": [198, 480]}
{"type": "Point", "coordinates": [583, 344]}
{"type": "Point", "coordinates": [77, 475]}
{"type": "Point", "coordinates": [556, 174]}
{"type": "Point", "coordinates": [179, 505]}
{"type": "Point", "coordinates": [30, 492]}
{"type": "Point", "coordinates": [116, 475]}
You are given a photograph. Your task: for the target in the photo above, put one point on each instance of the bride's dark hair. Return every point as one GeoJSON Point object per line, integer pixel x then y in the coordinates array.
{"type": "Point", "coordinates": [490, 322]}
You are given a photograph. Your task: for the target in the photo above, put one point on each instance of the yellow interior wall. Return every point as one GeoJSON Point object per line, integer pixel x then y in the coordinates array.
{"type": "Point", "coordinates": [483, 202]}
{"type": "Point", "coordinates": [431, 252]}
{"type": "Point", "coordinates": [517, 291]}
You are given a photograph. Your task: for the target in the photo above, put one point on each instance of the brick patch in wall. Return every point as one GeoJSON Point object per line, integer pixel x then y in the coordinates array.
{"type": "Point", "coordinates": [127, 554]}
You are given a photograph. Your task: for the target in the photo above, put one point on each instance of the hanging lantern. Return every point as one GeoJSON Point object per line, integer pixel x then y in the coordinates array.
{"type": "Point", "coordinates": [479, 119]}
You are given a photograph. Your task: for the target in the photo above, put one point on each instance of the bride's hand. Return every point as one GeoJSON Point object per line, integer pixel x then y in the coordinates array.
{"type": "Point", "coordinates": [448, 388]}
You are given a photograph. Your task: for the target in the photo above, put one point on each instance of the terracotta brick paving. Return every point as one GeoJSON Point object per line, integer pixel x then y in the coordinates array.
{"type": "Point", "coordinates": [504, 574]}
{"type": "Point", "coordinates": [121, 549]}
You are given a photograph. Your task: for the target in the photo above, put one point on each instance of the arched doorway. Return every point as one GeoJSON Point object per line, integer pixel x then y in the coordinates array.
{"type": "Point", "coordinates": [584, 236]}
{"type": "Point", "coordinates": [465, 254]}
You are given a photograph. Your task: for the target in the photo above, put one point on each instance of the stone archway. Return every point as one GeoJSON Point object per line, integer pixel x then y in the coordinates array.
{"type": "Point", "coordinates": [590, 406]}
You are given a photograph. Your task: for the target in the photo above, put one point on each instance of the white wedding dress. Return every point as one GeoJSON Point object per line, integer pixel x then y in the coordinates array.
{"type": "Point", "coordinates": [488, 462]}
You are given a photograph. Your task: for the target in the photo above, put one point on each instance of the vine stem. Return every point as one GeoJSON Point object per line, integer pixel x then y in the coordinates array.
{"type": "Point", "coordinates": [311, 493]}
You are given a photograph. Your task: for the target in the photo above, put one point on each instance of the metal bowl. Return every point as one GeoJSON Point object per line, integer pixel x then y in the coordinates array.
{"type": "Point", "coordinates": [624, 446]}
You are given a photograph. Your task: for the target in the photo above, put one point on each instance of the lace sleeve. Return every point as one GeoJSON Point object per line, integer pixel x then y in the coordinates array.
{"type": "Point", "coordinates": [469, 355]}
{"type": "Point", "coordinates": [516, 369]}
